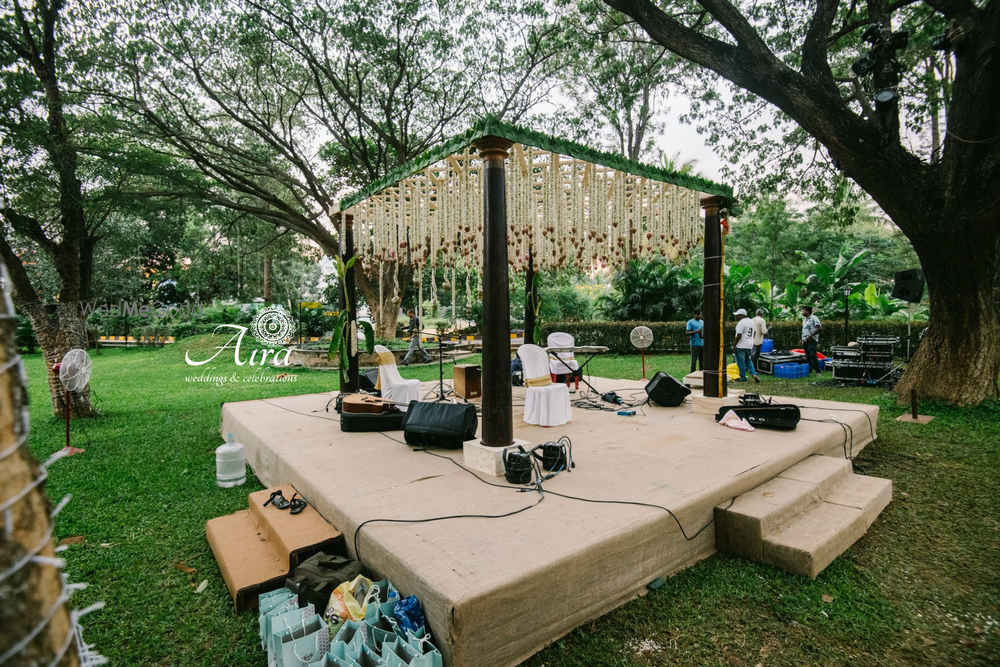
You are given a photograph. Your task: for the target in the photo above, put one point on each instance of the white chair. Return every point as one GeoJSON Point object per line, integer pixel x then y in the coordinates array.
{"type": "Point", "coordinates": [566, 364]}
{"type": "Point", "coordinates": [392, 385]}
{"type": "Point", "coordinates": [545, 404]}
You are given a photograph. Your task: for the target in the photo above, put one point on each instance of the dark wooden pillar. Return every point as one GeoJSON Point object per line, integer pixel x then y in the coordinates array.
{"type": "Point", "coordinates": [351, 383]}
{"type": "Point", "coordinates": [714, 360]}
{"type": "Point", "coordinates": [529, 300]}
{"type": "Point", "coordinates": [498, 419]}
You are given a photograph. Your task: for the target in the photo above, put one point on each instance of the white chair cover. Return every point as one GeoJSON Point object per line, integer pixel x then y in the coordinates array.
{"type": "Point", "coordinates": [557, 366]}
{"type": "Point", "coordinates": [545, 404]}
{"type": "Point", "coordinates": [394, 387]}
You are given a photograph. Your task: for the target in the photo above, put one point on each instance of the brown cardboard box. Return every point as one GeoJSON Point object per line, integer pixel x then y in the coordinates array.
{"type": "Point", "coordinates": [258, 548]}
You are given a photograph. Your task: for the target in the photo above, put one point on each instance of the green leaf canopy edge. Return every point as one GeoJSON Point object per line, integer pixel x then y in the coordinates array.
{"type": "Point", "coordinates": [491, 126]}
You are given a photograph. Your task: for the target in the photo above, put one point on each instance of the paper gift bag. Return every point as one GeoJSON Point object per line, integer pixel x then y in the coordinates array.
{"type": "Point", "coordinates": [277, 624]}
{"type": "Point", "coordinates": [299, 646]}
{"type": "Point", "coordinates": [369, 658]}
{"type": "Point", "coordinates": [382, 597]}
{"type": "Point", "coordinates": [381, 628]}
{"type": "Point", "coordinates": [355, 634]}
{"type": "Point", "coordinates": [291, 601]}
{"type": "Point", "coordinates": [338, 656]}
{"type": "Point", "coordinates": [397, 653]}
{"type": "Point", "coordinates": [429, 655]}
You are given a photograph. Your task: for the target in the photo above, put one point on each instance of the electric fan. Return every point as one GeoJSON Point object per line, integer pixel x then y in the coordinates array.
{"type": "Point", "coordinates": [74, 374]}
{"type": "Point", "coordinates": [642, 337]}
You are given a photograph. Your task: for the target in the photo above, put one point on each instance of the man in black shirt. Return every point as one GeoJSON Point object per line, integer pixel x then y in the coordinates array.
{"type": "Point", "coordinates": [414, 330]}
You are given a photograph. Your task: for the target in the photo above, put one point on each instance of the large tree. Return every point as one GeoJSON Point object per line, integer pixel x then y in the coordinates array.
{"type": "Point", "coordinates": [799, 59]}
{"type": "Point", "coordinates": [42, 197]}
{"type": "Point", "coordinates": [281, 107]}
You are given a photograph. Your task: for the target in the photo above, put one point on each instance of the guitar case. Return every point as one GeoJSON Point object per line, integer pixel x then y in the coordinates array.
{"type": "Point", "coordinates": [369, 423]}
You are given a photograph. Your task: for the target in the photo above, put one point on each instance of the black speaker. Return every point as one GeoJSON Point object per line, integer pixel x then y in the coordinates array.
{"type": "Point", "coordinates": [446, 425]}
{"type": "Point", "coordinates": [664, 390]}
{"type": "Point", "coordinates": [367, 380]}
{"type": "Point", "coordinates": [909, 285]}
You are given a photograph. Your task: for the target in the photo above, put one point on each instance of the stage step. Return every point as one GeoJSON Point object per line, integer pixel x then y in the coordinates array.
{"type": "Point", "coordinates": [804, 518]}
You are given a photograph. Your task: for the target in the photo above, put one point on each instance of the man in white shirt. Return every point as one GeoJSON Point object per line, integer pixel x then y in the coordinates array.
{"type": "Point", "coordinates": [759, 331]}
{"type": "Point", "coordinates": [810, 337]}
{"type": "Point", "coordinates": [743, 347]}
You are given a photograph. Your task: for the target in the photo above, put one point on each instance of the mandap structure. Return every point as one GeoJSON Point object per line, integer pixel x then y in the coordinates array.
{"type": "Point", "coordinates": [499, 198]}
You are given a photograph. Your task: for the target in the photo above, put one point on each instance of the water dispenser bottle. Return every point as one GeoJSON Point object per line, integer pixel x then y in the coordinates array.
{"type": "Point", "coordinates": [230, 464]}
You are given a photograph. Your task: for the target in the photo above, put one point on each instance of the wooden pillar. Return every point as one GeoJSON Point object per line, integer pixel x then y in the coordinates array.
{"type": "Point", "coordinates": [529, 301]}
{"type": "Point", "coordinates": [714, 359]}
{"type": "Point", "coordinates": [498, 420]}
{"type": "Point", "coordinates": [351, 383]}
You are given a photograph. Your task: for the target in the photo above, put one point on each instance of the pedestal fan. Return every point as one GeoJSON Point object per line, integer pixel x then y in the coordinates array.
{"type": "Point", "coordinates": [642, 337]}
{"type": "Point", "coordinates": [74, 374]}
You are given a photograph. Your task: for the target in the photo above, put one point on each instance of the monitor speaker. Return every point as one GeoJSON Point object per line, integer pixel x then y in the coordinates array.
{"type": "Point", "coordinates": [367, 380]}
{"type": "Point", "coordinates": [664, 390]}
{"type": "Point", "coordinates": [909, 285]}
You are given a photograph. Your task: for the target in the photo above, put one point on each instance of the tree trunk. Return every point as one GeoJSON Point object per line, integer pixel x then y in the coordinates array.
{"type": "Point", "coordinates": [396, 278]}
{"type": "Point", "coordinates": [958, 360]}
{"type": "Point", "coordinates": [268, 270]}
{"type": "Point", "coordinates": [30, 592]}
{"type": "Point", "coordinates": [69, 331]}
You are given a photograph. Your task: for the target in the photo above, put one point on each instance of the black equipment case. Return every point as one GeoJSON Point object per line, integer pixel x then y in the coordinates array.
{"type": "Point", "coordinates": [767, 362]}
{"type": "Point", "coordinates": [368, 423]}
{"type": "Point", "coordinates": [445, 425]}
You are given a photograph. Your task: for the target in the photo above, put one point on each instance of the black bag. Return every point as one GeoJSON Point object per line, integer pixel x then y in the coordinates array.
{"type": "Point", "coordinates": [316, 578]}
{"type": "Point", "coordinates": [367, 423]}
{"type": "Point", "coordinates": [444, 425]}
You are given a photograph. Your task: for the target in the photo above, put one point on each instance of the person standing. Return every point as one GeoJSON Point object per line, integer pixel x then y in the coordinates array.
{"type": "Point", "coordinates": [743, 347]}
{"type": "Point", "coordinates": [695, 327]}
{"type": "Point", "coordinates": [414, 329]}
{"type": "Point", "coordinates": [810, 337]}
{"type": "Point", "coordinates": [759, 331]}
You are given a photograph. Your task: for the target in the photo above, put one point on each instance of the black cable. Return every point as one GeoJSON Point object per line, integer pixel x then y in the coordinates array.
{"type": "Point", "coordinates": [638, 504]}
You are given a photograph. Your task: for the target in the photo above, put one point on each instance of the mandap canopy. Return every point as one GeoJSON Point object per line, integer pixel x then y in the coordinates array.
{"type": "Point", "coordinates": [561, 203]}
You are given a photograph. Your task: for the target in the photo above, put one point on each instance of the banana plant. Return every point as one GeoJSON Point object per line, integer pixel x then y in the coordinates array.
{"type": "Point", "coordinates": [340, 343]}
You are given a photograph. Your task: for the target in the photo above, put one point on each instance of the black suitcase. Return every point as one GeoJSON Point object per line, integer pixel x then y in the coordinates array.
{"type": "Point", "coordinates": [368, 423]}
{"type": "Point", "coordinates": [444, 425]}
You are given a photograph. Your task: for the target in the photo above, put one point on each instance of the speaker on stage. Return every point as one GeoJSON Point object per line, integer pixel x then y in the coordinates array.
{"type": "Point", "coordinates": [664, 390]}
{"type": "Point", "coordinates": [367, 380]}
{"type": "Point", "coordinates": [909, 285]}
{"type": "Point", "coordinates": [446, 425]}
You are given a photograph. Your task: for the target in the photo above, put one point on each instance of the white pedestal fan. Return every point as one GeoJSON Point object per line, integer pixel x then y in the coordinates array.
{"type": "Point", "coordinates": [74, 374]}
{"type": "Point", "coordinates": [642, 337]}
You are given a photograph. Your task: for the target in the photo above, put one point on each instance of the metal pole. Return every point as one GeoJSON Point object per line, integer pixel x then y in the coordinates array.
{"type": "Point", "coordinates": [847, 316]}
{"type": "Point", "coordinates": [498, 420]}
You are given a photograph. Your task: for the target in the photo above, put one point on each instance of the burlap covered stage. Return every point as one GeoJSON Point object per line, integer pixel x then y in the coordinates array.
{"type": "Point", "coordinates": [498, 590]}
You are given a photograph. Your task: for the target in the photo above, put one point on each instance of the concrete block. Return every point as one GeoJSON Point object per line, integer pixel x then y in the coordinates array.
{"type": "Point", "coordinates": [807, 545]}
{"type": "Point", "coordinates": [485, 459]}
{"type": "Point", "coordinates": [708, 405]}
{"type": "Point", "coordinates": [695, 380]}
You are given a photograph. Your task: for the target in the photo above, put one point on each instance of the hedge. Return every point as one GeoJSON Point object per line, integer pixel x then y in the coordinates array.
{"type": "Point", "coordinates": [671, 337]}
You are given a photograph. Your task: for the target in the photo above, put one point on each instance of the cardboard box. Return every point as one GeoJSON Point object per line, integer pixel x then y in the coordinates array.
{"type": "Point", "coordinates": [258, 548]}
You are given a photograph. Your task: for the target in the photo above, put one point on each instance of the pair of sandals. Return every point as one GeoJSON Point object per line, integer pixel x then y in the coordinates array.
{"type": "Point", "coordinates": [295, 505]}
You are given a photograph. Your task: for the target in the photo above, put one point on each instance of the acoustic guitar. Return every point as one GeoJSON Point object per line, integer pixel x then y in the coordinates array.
{"type": "Point", "coordinates": [364, 404]}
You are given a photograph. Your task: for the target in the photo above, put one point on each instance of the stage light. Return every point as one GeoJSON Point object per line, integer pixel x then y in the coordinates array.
{"type": "Point", "coordinates": [863, 65]}
{"type": "Point", "coordinates": [885, 95]}
{"type": "Point", "coordinates": [941, 42]}
{"type": "Point", "coordinates": [872, 33]}
{"type": "Point", "coordinates": [899, 40]}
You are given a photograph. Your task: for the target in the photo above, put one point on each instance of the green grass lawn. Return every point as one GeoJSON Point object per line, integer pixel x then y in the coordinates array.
{"type": "Point", "coordinates": [920, 588]}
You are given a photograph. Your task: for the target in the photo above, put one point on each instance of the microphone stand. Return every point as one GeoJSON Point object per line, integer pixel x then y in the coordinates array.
{"type": "Point", "coordinates": [441, 393]}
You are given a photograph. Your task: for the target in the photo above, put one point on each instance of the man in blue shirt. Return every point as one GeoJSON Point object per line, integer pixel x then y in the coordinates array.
{"type": "Point", "coordinates": [694, 328]}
